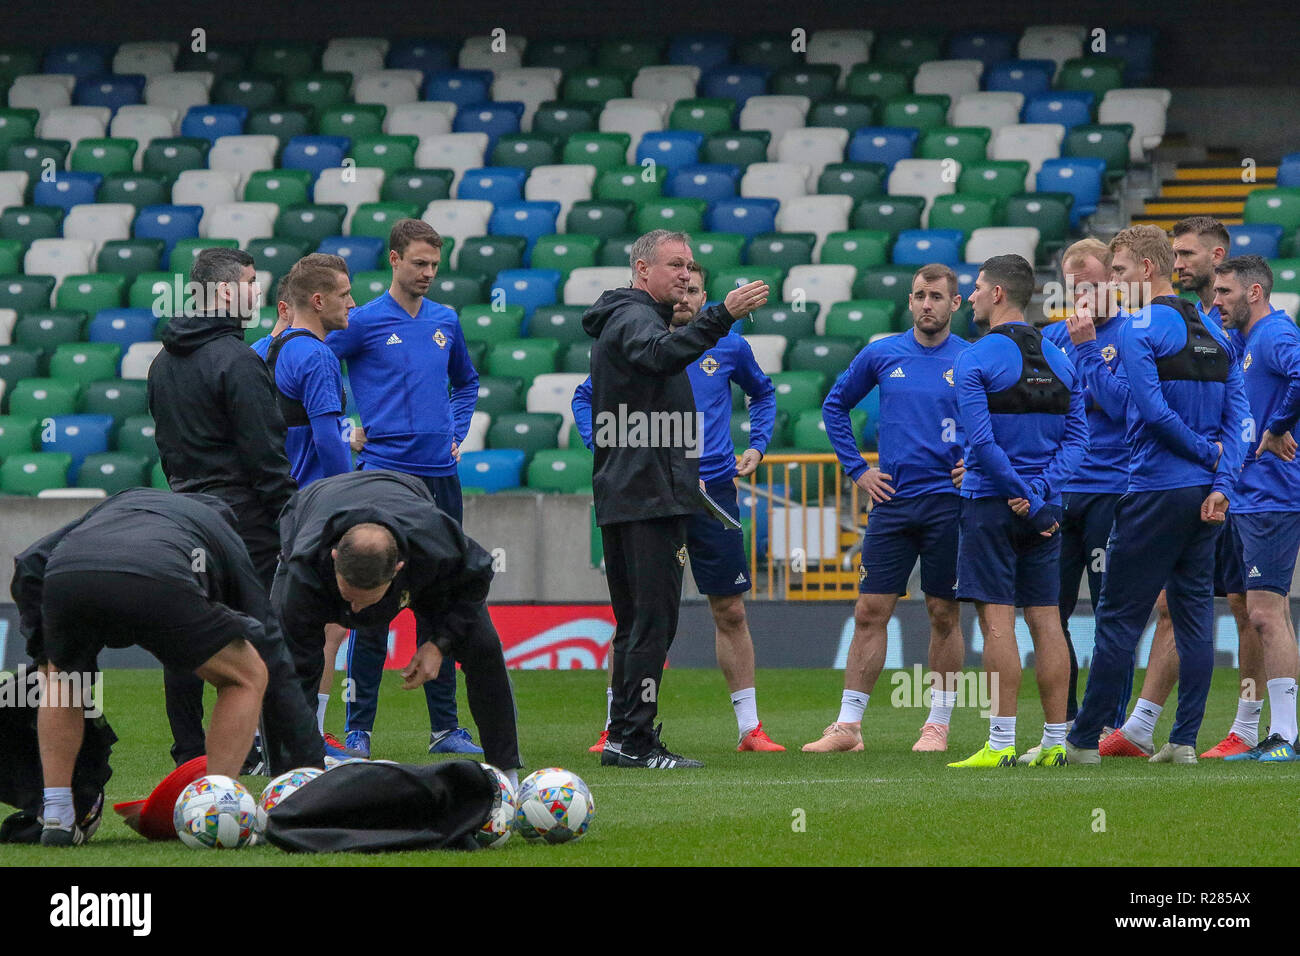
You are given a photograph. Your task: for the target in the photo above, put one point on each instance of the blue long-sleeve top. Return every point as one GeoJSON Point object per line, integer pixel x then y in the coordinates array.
{"type": "Point", "coordinates": [401, 369]}
{"type": "Point", "coordinates": [1271, 370]}
{"type": "Point", "coordinates": [1236, 341]}
{"type": "Point", "coordinates": [711, 375]}
{"type": "Point", "coordinates": [308, 372]}
{"type": "Point", "coordinates": [1028, 456]}
{"type": "Point", "coordinates": [920, 437]}
{"type": "Point", "coordinates": [1173, 425]}
{"type": "Point", "coordinates": [1104, 469]}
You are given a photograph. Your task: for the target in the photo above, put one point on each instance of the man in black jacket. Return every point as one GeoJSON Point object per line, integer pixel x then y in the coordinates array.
{"type": "Point", "coordinates": [218, 431]}
{"type": "Point", "coordinates": [168, 573]}
{"type": "Point", "coordinates": [359, 547]}
{"type": "Point", "coordinates": [648, 441]}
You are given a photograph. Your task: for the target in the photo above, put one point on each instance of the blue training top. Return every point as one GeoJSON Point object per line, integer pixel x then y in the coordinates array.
{"type": "Point", "coordinates": [308, 372]}
{"type": "Point", "coordinates": [1271, 369]}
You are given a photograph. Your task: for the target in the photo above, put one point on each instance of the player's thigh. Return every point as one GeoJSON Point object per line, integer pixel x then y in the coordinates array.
{"type": "Point", "coordinates": [986, 552]}
{"type": "Point", "coordinates": [889, 549]}
{"type": "Point", "coordinates": [718, 561]}
{"type": "Point", "coordinates": [236, 664]}
{"type": "Point", "coordinates": [937, 533]}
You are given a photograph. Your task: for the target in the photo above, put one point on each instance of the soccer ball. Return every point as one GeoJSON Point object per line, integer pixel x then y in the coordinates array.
{"type": "Point", "coordinates": [554, 805]}
{"type": "Point", "coordinates": [216, 813]}
{"type": "Point", "coordinates": [281, 787]}
{"type": "Point", "coordinates": [500, 821]}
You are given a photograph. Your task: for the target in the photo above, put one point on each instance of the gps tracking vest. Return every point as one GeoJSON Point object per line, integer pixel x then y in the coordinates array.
{"type": "Point", "coordinates": [1040, 390]}
{"type": "Point", "coordinates": [293, 411]}
{"type": "Point", "coordinates": [1203, 358]}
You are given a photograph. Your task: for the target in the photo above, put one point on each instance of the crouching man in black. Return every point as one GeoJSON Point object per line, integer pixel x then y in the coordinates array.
{"type": "Point", "coordinates": [357, 548]}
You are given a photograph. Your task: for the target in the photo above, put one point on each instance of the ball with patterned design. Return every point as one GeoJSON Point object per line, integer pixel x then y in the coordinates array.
{"type": "Point", "coordinates": [554, 806]}
{"type": "Point", "coordinates": [216, 813]}
{"type": "Point", "coordinates": [501, 819]}
{"type": "Point", "coordinates": [281, 788]}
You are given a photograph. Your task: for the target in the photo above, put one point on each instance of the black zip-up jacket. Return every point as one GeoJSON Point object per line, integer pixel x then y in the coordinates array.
{"type": "Point", "coordinates": [639, 363]}
{"type": "Point", "coordinates": [445, 579]}
{"type": "Point", "coordinates": [216, 421]}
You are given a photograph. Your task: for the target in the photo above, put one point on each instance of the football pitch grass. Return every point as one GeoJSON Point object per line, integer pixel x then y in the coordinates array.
{"type": "Point", "coordinates": [884, 806]}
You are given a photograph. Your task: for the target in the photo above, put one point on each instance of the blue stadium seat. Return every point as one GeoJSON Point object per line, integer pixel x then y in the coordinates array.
{"type": "Point", "coordinates": [168, 223]}
{"type": "Point", "coordinates": [209, 122]}
{"type": "Point", "coordinates": [1081, 178]}
{"type": "Point", "coordinates": [527, 219]}
{"type": "Point", "coordinates": [1288, 171]}
{"type": "Point", "coordinates": [113, 91]}
{"type": "Point", "coordinates": [361, 253]}
{"type": "Point", "coordinates": [528, 287]}
{"type": "Point", "coordinates": [79, 59]}
{"type": "Point", "coordinates": [882, 144]}
{"type": "Point", "coordinates": [491, 470]}
{"type": "Point", "coordinates": [1020, 76]}
{"type": "Point", "coordinates": [496, 119]}
{"type": "Point", "coordinates": [315, 153]}
{"type": "Point", "coordinates": [987, 46]}
{"type": "Point", "coordinates": [78, 436]}
{"type": "Point", "coordinates": [705, 50]}
{"type": "Point", "coordinates": [671, 149]}
{"type": "Point", "coordinates": [462, 87]}
{"type": "Point", "coordinates": [704, 181]}
{"type": "Point", "coordinates": [124, 327]}
{"type": "Point", "coordinates": [916, 247]}
{"type": "Point", "coordinates": [67, 189]}
{"type": "Point", "coordinates": [1070, 108]}
{"type": "Point", "coordinates": [871, 405]}
{"type": "Point", "coordinates": [967, 273]}
{"type": "Point", "coordinates": [749, 217]}
{"type": "Point", "coordinates": [737, 83]}
{"type": "Point", "coordinates": [1259, 239]}
{"type": "Point", "coordinates": [493, 183]}
{"type": "Point", "coordinates": [429, 56]}
{"type": "Point", "coordinates": [1136, 47]}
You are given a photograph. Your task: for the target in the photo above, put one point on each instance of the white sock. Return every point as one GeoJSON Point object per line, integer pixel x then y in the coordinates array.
{"type": "Point", "coordinates": [1002, 732]}
{"type": "Point", "coordinates": [322, 701]}
{"type": "Point", "coordinates": [58, 807]}
{"type": "Point", "coordinates": [1281, 707]}
{"type": "Point", "coordinates": [745, 703]}
{"type": "Point", "coordinates": [1141, 724]}
{"type": "Point", "coordinates": [1054, 734]}
{"type": "Point", "coordinates": [941, 704]}
{"type": "Point", "coordinates": [1246, 726]}
{"type": "Point", "coordinates": [852, 704]}
{"type": "Point", "coordinates": [609, 704]}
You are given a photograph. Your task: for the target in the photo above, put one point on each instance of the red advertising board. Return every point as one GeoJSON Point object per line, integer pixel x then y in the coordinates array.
{"type": "Point", "coordinates": [535, 636]}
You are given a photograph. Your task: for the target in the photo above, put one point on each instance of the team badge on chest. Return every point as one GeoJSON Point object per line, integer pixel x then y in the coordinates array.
{"type": "Point", "coordinates": [1246, 362]}
{"type": "Point", "coordinates": [1108, 353]}
{"type": "Point", "coordinates": [439, 339]}
{"type": "Point", "coordinates": [947, 376]}
{"type": "Point", "coordinates": [710, 365]}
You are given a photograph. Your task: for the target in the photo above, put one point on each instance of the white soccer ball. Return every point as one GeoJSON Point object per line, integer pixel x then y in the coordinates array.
{"type": "Point", "coordinates": [501, 820]}
{"type": "Point", "coordinates": [280, 788]}
{"type": "Point", "coordinates": [553, 805]}
{"type": "Point", "coordinates": [216, 813]}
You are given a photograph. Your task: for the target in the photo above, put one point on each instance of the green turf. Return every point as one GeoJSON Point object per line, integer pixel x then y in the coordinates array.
{"type": "Point", "coordinates": [883, 806]}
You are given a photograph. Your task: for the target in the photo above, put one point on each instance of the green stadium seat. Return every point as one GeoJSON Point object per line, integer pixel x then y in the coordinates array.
{"type": "Point", "coordinates": [565, 54]}
{"type": "Point", "coordinates": [784, 318]}
{"type": "Point", "coordinates": [597, 84]}
{"type": "Point", "coordinates": [564, 252]}
{"type": "Point", "coordinates": [736, 148]}
{"type": "Point", "coordinates": [717, 250]}
{"type": "Point", "coordinates": [1279, 206]}
{"type": "Point", "coordinates": [376, 219]}
{"type": "Point", "coordinates": [577, 358]}
{"type": "Point", "coordinates": [679, 215]}
{"type": "Point", "coordinates": [635, 184]}
{"type": "Point", "coordinates": [617, 250]}
{"type": "Point", "coordinates": [33, 157]}
{"type": "Point", "coordinates": [529, 432]}
{"type": "Point", "coordinates": [523, 358]}
{"type": "Point", "coordinates": [157, 291]}
{"type": "Point", "coordinates": [601, 217]}
{"type": "Point", "coordinates": [264, 322]}
{"type": "Point", "coordinates": [925, 111]}
{"type": "Point", "coordinates": [1286, 275]}
{"type": "Point", "coordinates": [43, 398]}
{"type": "Point", "coordinates": [91, 293]}
{"type": "Point", "coordinates": [285, 58]}
{"type": "Point", "coordinates": [602, 150]}
{"type": "Point", "coordinates": [707, 116]}
{"type": "Point", "coordinates": [964, 212]}
{"type": "Point", "coordinates": [772, 50]}
{"type": "Point", "coordinates": [560, 322]}
{"type": "Point", "coordinates": [11, 256]}
{"type": "Point", "coordinates": [34, 473]}
{"type": "Point", "coordinates": [310, 222]}
{"type": "Point", "coordinates": [499, 395]}
{"type": "Point", "coordinates": [173, 156]}
{"type": "Point", "coordinates": [575, 439]}
{"type": "Point", "coordinates": [356, 121]}
{"type": "Point", "coordinates": [893, 283]}
{"type": "Point", "coordinates": [456, 289]}
{"type": "Point", "coordinates": [813, 80]}
{"type": "Point", "coordinates": [370, 285]}
{"type": "Point", "coordinates": [157, 478]}
{"type": "Point", "coordinates": [25, 293]}
{"type": "Point", "coordinates": [966, 144]}
{"type": "Point", "coordinates": [724, 280]}
{"type": "Point", "coordinates": [858, 180]}
{"type": "Point", "coordinates": [17, 124]}
{"type": "Point", "coordinates": [119, 397]}
{"type": "Point", "coordinates": [186, 250]}
{"type": "Point", "coordinates": [284, 187]}
{"type": "Point", "coordinates": [47, 329]}
{"type": "Point", "coordinates": [29, 223]}
{"type": "Point", "coordinates": [136, 436]}
{"type": "Point", "coordinates": [17, 362]}
{"type": "Point", "coordinates": [861, 318]}
{"type": "Point", "coordinates": [564, 118]}
{"type": "Point", "coordinates": [907, 47]}
{"type": "Point", "coordinates": [104, 156]}
{"type": "Point", "coordinates": [249, 90]}
{"type": "Point", "coordinates": [846, 112]}
{"type": "Point", "coordinates": [526, 150]}
{"type": "Point", "coordinates": [1049, 213]}
{"type": "Point", "coordinates": [828, 354]}
{"type": "Point", "coordinates": [878, 81]}
{"type": "Point", "coordinates": [629, 53]}
{"type": "Point", "coordinates": [781, 249]}
{"type": "Point", "coordinates": [484, 323]}
{"type": "Point", "coordinates": [492, 254]}
{"type": "Point", "coordinates": [891, 214]}
{"type": "Point", "coordinates": [809, 435]}
{"type": "Point", "coordinates": [796, 391]}
{"type": "Point", "coordinates": [277, 257]}
{"type": "Point", "coordinates": [998, 178]}
{"type": "Point", "coordinates": [320, 91]}
{"type": "Point", "coordinates": [418, 186]}
{"type": "Point", "coordinates": [1108, 142]}
{"type": "Point", "coordinates": [113, 471]}
{"type": "Point", "coordinates": [86, 362]}
{"type": "Point", "coordinates": [740, 430]}
{"type": "Point", "coordinates": [220, 59]}
{"type": "Point", "coordinates": [562, 470]}
{"type": "Point", "coordinates": [137, 189]}
{"type": "Point", "coordinates": [280, 120]}
{"type": "Point", "coordinates": [130, 257]}
{"type": "Point", "coordinates": [860, 248]}
{"type": "Point", "coordinates": [1095, 74]}
{"type": "Point", "coordinates": [389, 153]}
{"type": "Point", "coordinates": [18, 436]}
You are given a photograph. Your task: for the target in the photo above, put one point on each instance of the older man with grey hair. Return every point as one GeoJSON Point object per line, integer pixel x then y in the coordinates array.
{"type": "Point", "coordinates": [646, 473]}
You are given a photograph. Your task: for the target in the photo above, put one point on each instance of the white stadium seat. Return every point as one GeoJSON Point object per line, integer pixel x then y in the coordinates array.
{"type": "Point", "coordinates": [1031, 142]}
{"type": "Point", "coordinates": [388, 87]}
{"type": "Point", "coordinates": [668, 84]}
{"type": "Point", "coordinates": [824, 285]}
{"type": "Point", "coordinates": [813, 146]}
{"type": "Point", "coordinates": [484, 52]}
{"type": "Point", "coordinates": [378, 44]}
{"type": "Point", "coordinates": [8, 319]}
{"type": "Point", "coordinates": [844, 48]}
{"type": "Point", "coordinates": [208, 188]}
{"type": "Point", "coordinates": [455, 151]}
{"type": "Point", "coordinates": [1057, 43]}
{"type": "Point", "coordinates": [178, 90]}
{"type": "Point", "coordinates": [775, 181]}
{"type": "Point", "coordinates": [351, 58]}
{"type": "Point", "coordinates": [420, 119]}
{"type": "Point", "coordinates": [13, 187]}
{"type": "Point", "coordinates": [990, 241]}
{"type": "Point", "coordinates": [634, 117]}
{"type": "Point", "coordinates": [775, 114]}
{"type": "Point", "coordinates": [59, 258]}
{"type": "Point", "coordinates": [769, 352]}
{"type": "Point", "coordinates": [553, 392]}
{"type": "Point", "coordinates": [817, 214]}
{"type": "Point", "coordinates": [458, 218]}
{"type": "Point", "coordinates": [565, 184]}
{"type": "Point", "coordinates": [242, 221]}
{"type": "Point", "coordinates": [99, 222]}
{"type": "Point", "coordinates": [144, 124]}
{"type": "Point", "coordinates": [476, 436]}
{"type": "Point", "coordinates": [74, 123]}
{"type": "Point", "coordinates": [243, 155]}
{"type": "Point", "coordinates": [138, 358]}
{"type": "Point", "coordinates": [530, 85]}
{"type": "Point", "coordinates": [1145, 108]}
{"type": "Point", "coordinates": [1288, 302]}
{"type": "Point", "coordinates": [146, 57]}
{"type": "Point", "coordinates": [585, 284]}
{"type": "Point", "coordinates": [993, 110]}
{"type": "Point", "coordinates": [923, 177]}
{"type": "Point", "coordinates": [42, 91]}
{"type": "Point", "coordinates": [349, 186]}
{"type": "Point", "coordinates": [951, 78]}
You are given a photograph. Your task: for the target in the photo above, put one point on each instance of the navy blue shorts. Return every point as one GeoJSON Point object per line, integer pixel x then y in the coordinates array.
{"type": "Point", "coordinates": [1267, 542]}
{"type": "Point", "coordinates": [900, 530]}
{"type": "Point", "coordinates": [718, 560]}
{"type": "Point", "coordinates": [1229, 574]}
{"type": "Point", "coordinates": [1001, 559]}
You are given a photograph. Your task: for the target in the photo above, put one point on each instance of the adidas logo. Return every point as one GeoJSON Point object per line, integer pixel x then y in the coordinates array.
{"type": "Point", "coordinates": [393, 340]}
{"type": "Point", "coordinates": [897, 373]}
{"type": "Point", "coordinates": [1254, 573]}
{"type": "Point", "coordinates": [740, 579]}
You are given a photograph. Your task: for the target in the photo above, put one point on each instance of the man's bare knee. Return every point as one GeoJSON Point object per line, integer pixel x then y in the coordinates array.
{"type": "Point", "coordinates": [729, 613]}
{"type": "Point", "coordinates": [872, 610]}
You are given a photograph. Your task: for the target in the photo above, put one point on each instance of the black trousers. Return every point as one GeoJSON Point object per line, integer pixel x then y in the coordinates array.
{"type": "Point", "coordinates": [643, 566]}
{"type": "Point", "coordinates": [182, 689]}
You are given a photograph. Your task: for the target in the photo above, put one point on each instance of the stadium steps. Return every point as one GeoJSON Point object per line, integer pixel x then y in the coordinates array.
{"type": "Point", "coordinates": [1204, 189]}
